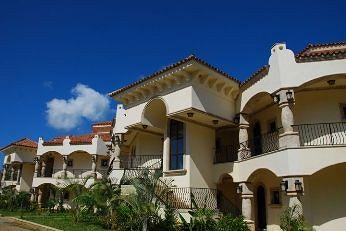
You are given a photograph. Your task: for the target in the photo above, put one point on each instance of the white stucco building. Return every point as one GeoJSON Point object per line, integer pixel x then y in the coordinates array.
{"type": "Point", "coordinates": [254, 148]}
{"type": "Point", "coordinates": [275, 140]}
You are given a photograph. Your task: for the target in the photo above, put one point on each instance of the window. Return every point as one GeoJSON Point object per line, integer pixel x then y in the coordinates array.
{"type": "Point", "coordinates": [104, 163]}
{"type": "Point", "coordinates": [177, 145]}
{"type": "Point", "coordinates": [272, 126]}
{"type": "Point", "coordinates": [275, 196]}
{"type": "Point", "coordinates": [343, 111]}
{"type": "Point", "coordinates": [70, 163]}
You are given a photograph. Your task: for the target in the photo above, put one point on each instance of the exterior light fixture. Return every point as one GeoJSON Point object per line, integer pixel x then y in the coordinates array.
{"type": "Point", "coordinates": [289, 95]}
{"type": "Point", "coordinates": [284, 185]}
{"type": "Point", "coordinates": [298, 186]}
{"type": "Point", "coordinates": [331, 82]}
{"type": "Point", "coordinates": [144, 126]}
{"type": "Point", "coordinates": [190, 114]}
{"type": "Point", "coordinates": [236, 119]}
{"type": "Point", "coordinates": [215, 122]}
{"type": "Point", "coordinates": [239, 189]}
{"type": "Point", "coordinates": [117, 139]}
{"type": "Point", "coordinates": [276, 98]}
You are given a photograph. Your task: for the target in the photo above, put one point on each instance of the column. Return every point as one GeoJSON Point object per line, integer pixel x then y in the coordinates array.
{"type": "Point", "coordinates": [93, 165]}
{"type": "Point", "coordinates": [43, 168]}
{"type": "Point", "coordinates": [244, 151]}
{"type": "Point", "coordinates": [12, 174]}
{"type": "Point", "coordinates": [64, 165]}
{"type": "Point", "coordinates": [33, 194]}
{"type": "Point", "coordinates": [246, 204]}
{"type": "Point", "coordinates": [166, 148]}
{"type": "Point", "coordinates": [288, 138]}
{"type": "Point", "coordinates": [294, 192]}
{"type": "Point", "coordinates": [4, 172]}
{"type": "Point", "coordinates": [19, 173]}
{"type": "Point", "coordinates": [39, 198]}
{"type": "Point", "coordinates": [116, 155]}
{"type": "Point", "coordinates": [37, 166]}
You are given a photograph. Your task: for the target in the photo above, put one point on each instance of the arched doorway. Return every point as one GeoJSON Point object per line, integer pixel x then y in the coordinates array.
{"type": "Point", "coordinates": [228, 201]}
{"type": "Point", "coordinates": [257, 139]}
{"type": "Point", "coordinates": [261, 208]}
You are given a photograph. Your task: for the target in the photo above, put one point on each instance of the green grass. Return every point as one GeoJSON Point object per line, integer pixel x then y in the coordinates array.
{"type": "Point", "coordinates": [63, 221]}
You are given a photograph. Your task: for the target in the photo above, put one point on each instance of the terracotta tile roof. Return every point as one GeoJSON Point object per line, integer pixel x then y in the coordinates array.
{"type": "Point", "coordinates": [311, 53]}
{"type": "Point", "coordinates": [322, 52]}
{"type": "Point", "coordinates": [167, 68]}
{"type": "Point", "coordinates": [103, 123]}
{"type": "Point", "coordinates": [77, 139]}
{"type": "Point", "coordinates": [25, 142]}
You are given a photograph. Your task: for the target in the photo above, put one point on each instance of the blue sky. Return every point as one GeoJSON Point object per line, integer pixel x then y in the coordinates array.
{"type": "Point", "coordinates": [48, 47]}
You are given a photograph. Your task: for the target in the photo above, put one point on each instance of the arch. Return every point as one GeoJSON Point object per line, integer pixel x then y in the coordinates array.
{"type": "Point", "coordinates": [81, 164]}
{"type": "Point", "coordinates": [323, 78]}
{"type": "Point", "coordinates": [256, 102]}
{"type": "Point", "coordinates": [228, 199]}
{"type": "Point", "coordinates": [326, 190]}
{"type": "Point", "coordinates": [154, 113]}
{"type": "Point", "coordinates": [254, 175]}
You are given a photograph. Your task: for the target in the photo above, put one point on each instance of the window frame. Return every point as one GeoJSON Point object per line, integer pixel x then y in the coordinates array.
{"type": "Point", "coordinates": [272, 191]}
{"type": "Point", "coordinates": [179, 156]}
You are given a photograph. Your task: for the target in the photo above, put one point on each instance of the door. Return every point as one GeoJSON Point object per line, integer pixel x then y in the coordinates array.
{"type": "Point", "coordinates": [257, 139]}
{"type": "Point", "coordinates": [49, 167]}
{"type": "Point", "coordinates": [261, 208]}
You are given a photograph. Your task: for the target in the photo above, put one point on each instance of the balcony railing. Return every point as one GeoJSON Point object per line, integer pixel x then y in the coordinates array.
{"type": "Point", "coordinates": [182, 198]}
{"type": "Point", "coordinates": [321, 134]}
{"type": "Point", "coordinates": [227, 153]}
{"type": "Point", "coordinates": [141, 161]}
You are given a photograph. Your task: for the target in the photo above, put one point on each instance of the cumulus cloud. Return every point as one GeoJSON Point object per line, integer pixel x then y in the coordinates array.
{"type": "Point", "coordinates": [85, 103]}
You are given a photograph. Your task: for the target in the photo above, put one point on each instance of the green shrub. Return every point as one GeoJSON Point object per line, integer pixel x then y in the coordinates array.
{"type": "Point", "coordinates": [230, 223]}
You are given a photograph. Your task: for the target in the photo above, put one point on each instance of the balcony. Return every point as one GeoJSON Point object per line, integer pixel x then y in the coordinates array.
{"type": "Point", "coordinates": [321, 134]}
{"type": "Point", "coordinates": [151, 162]}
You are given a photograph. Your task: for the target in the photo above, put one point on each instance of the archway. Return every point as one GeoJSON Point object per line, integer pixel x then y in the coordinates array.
{"type": "Point", "coordinates": [51, 163]}
{"type": "Point", "coordinates": [154, 114]}
{"type": "Point", "coordinates": [325, 192]}
{"type": "Point", "coordinates": [227, 198]}
{"type": "Point", "coordinates": [79, 164]}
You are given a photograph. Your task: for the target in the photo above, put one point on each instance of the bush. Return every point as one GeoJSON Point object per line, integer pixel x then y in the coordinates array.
{"type": "Point", "coordinates": [292, 219]}
{"type": "Point", "coordinates": [229, 223]}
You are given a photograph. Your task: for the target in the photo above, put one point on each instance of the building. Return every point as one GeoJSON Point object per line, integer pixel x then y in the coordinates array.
{"type": "Point", "coordinates": [275, 140]}
{"type": "Point", "coordinates": [18, 164]}
{"type": "Point", "coordinates": [255, 148]}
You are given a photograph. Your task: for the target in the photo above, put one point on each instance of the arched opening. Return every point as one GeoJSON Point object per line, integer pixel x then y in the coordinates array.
{"type": "Point", "coordinates": [79, 164]}
{"type": "Point", "coordinates": [46, 193]}
{"type": "Point", "coordinates": [51, 163]}
{"type": "Point", "coordinates": [268, 198]}
{"type": "Point", "coordinates": [227, 198]}
{"type": "Point", "coordinates": [154, 114]}
{"type": "Point", "coordinates": [325, 192]}
{"type": "Point", "coordinates": [320, 111]}
{"type": "Point", "coordinates": [261, 208]}
{"type": "Point", "coordinates": [264, 119]}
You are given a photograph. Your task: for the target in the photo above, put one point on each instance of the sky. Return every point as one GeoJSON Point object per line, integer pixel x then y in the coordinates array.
{"type": "Point", "coordinates": [59, 59]}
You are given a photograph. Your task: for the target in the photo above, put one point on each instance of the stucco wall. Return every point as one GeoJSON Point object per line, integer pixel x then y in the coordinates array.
{"type": "Point", "coordinates": [325, 195]}
{"type": "Point", "coordinates": [148, 144]}
{"type": "Point", "coordinates": [318, 106]}
{"type": "Point", "coordinates": [201, 143]}
{"type": "Point", "coordinates": [27, 176]}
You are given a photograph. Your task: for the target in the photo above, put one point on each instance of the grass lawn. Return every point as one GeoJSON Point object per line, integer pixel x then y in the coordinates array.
{"type": "Point", "coordinates": [63, 221]}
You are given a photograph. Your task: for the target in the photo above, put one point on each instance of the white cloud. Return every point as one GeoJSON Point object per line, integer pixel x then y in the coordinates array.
{"type": "Point", "coordinates": [86, 103]}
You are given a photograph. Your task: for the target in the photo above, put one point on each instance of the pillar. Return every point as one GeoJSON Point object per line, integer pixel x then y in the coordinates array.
{"type": "Point", "coordinates": [43, 168]}
{"type": "Point", "coordinates": [39, 198]}
{"type": "Point", "coordinates": [33, 195]}
{"type": "Point", "coordinates": [244, 151]}
{"type": "Point", "coordinates": [288, 138]}
{"type": "Point", "coordinates": [64, 165]}
{"type": "Point", "coordinates": [246, 204]}
{"type": "Point", "coordinates": [4, 172]}
{"type": "Point", "coordinates": [19, 173]}
{"type": "Point", "coordinates": [166, 148]}
{"type": "Point", "coordinates": [295, 195]}
{"type": "Point", "coordinates": [116, 155]}
{"type": "Point", "coordinates": [93, 165]}
{"type": "Point", "coordinates": [12, 174]}
{"type": "Point", "coordinates": [37, 166]}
